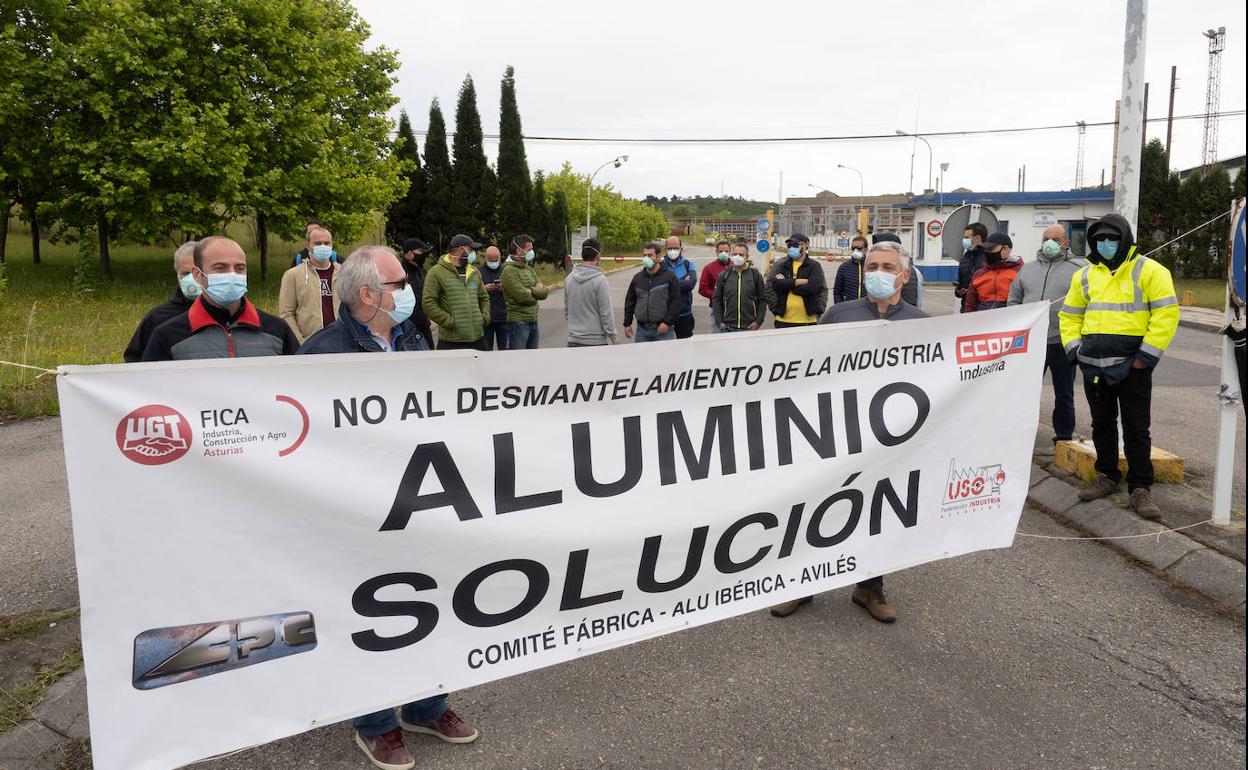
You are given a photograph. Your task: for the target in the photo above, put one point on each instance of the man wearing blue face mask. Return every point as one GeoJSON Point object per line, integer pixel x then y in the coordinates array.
{"type": "Point", "coordinates": [188, 289]}
{"type": "Point", "coordinates": [220, 323]}
{"type": "Point", "coordinates": [797, 291]}
{"type": "Point", "coordinates": [523, 291]}
{"type": "Point", "coordinates": [1119, 316]}
{"type": "Point", "coordinates": [376, 311]}
{"type": "Point", "coordinates": [308, 298]}
{"type": "Point", "coordinates": [886, 270]}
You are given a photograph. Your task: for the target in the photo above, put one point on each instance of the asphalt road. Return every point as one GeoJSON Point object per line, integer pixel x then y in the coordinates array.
{"type": "Point", "coordinates": [1052, 653]}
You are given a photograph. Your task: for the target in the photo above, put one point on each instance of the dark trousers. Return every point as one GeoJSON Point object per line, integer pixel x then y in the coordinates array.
{"type": "Point", "coordinates": [875, 582]}
{"type": "Point", "coordinates": [1132, 398]}
{"type": "Point", "coordinates": [683, 326]}
{"type": "Point", "coordinates": [523, 335]}
{"type": "Point", "coordinates": [787, 325]}
{"type": "Point", "coordinates": [497, 335]}
{"type": "Point", "coordinates": [451, 345]}
{"type": "Point", "coordinates": [1062, 372]}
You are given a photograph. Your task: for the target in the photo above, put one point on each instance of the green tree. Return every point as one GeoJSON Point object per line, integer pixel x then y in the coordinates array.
{"type": "Point", "coordinates": [1156, 213]}
{"type": "Point", "coordinates": [537, 221]}
{"type": "Point", "coordinates": [468, 172]}
{"type": "Point", "coordinates": [1204, 196]}
{"type": "Point", "coordinates": [557, 227]}
{"type": "Point", "coordinates": [514, 189]}
{"type": "Point", "coordinates": [403, 218]}
{"type": "Point", "coordinates": [435, 222]}
{"type": "Point", "coordinates": [1237, 187]}
{"type": "Point", "coordinates": [488, 212]}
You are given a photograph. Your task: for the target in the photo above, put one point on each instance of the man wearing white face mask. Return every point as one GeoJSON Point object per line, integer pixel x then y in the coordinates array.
{"type": "Point", "coordinates": [848, 284]}
{"type": "Point", "coordinates": [376, 311]}
{"type": "Point", "coordinates": [308, 298]}
{"type": "Point", "coordinates": [188, 289]}
{"type": "Point", "coordinates": [887, 269]}
{"type": "Point", "coordinates": [1044, 280]}
{"type": "Point", "coordinates": [220, 323]}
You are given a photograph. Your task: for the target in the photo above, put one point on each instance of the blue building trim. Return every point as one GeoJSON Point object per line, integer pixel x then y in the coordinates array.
{"type": "Point", "coordinates": [1038, 198]}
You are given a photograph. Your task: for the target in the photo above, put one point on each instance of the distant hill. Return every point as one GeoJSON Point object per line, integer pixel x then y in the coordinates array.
{"type": "Point", "coordinates": [678, 209]}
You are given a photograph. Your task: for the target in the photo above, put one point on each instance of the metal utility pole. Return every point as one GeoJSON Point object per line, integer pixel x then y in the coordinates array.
{"type": "Point", "coordinates": [1131, 123]}
{"type": "Point", "coordinates": [1144, 120]}
{"type": "Point", "coordinates": [589, 189]}
{"type": "Point", "coordinates": [1213, 96]}
{"type": "Point", "coordinates": [1083, 133]}
{"type": "Point", "coordinates": [1174, 70]}
{"type": "Point", "coordinates": [1113, 167]}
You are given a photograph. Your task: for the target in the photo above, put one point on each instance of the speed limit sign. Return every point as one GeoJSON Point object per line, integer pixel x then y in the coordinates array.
{"type": "Point", "coordinates": [934, 228]}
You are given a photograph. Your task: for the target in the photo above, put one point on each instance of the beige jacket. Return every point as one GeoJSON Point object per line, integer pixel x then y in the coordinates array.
{"type": "Point", "coordinates": [299, 299]}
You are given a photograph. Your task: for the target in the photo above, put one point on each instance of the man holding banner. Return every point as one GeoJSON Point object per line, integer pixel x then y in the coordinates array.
{"type": "Point", "coordinates": [377, 306]}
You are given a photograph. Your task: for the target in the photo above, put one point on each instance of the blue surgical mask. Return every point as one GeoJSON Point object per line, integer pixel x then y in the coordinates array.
{"type": "Point", "coordinates": [530, 256]}
{"type": "Point", "coordinates": [794, 252]}
{"type": "Point", "coordinates": [472, 257]}
{"type": "Point", "coordinates": [322, 252]}
{"type": "Point", "coordinates": [189, 286]}
{"type": "Point", "coordinates": [1107, 249]}
{"type": "Point", "coordinates": [723, 256]}
{"type": "Point", "coordinates": [881, 285]}
{"type": "Point", "coordinates": [966, 244]}
{"type": "Point", "coordinates": [1050, 248]}
{"type": "Point", "coordinates": [647, 262]}
{"type": "Point", "coordinates": [404, 304]}
{"type": "Point", "coordinates": [226, 288]}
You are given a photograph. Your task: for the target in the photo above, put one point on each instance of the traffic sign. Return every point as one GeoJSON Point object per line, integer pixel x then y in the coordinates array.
{"type": "Point", "coordinates": [843, 234]}
{"type": "Point", "coordinates": [763, 246]}
{"type": "Point", "coordinates": [764, 225]}
{"type": "Point", "coordinates": [1238, 248]}
{"type": "Point", "coordinates": [842, 243]}
{"type": "Point", "coordinates": [934, 228]}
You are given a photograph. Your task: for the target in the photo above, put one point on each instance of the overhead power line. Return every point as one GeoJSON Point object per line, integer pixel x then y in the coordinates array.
{"type": "Point", "coordinates": [834, 138]}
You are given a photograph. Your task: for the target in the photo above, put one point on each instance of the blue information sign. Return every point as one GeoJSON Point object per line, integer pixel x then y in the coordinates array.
{"type": "Point", "coordinates": [764, 225]}
{"type": "Point", "coordinates": [1237, 257]}
{"type": "Point", "coordinates": [842, 243]}
{"type": "Point", "coordinates": [763, 246]}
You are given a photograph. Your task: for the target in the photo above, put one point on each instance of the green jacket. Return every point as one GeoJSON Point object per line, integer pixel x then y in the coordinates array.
{"type": "Point", "coordinates": [519, 289]}
{"type": "Point", "coordinates": [457, 303]}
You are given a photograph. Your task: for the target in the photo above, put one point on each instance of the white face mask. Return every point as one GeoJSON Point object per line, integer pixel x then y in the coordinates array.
{"type": "Point", "coordinates": [738, 260]}
{"type": "Point", "coordinates": [673, 254]}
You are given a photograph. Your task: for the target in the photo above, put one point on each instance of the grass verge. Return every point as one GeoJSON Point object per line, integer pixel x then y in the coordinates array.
{"type": "Point", "coordinates": [1206, 292]}
{"type": "Point", "coordinates": [30, 623]}
{"type": "Point", "coordinates": [18, 701]}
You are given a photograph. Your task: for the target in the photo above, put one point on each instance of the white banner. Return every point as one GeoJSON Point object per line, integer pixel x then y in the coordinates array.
{"type": "Point", "coordinates": [269, 545]}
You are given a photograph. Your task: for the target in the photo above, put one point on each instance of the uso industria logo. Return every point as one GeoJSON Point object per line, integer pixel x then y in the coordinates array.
{"type": "Point", "coordinates": [972, 488]}
{"type": "Point", "coordinates": [986, 352]}
{"type": "Point", "coordinates": [154, 435]}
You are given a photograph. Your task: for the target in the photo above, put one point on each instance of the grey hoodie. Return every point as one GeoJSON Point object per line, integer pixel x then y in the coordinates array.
{"type": "Point", "coordinates": [587, 306]}
{"type": "Point", "coordinates": [1046, 280]}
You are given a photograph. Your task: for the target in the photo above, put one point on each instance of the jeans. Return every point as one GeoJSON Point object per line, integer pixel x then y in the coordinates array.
{"type": "Point", "coordinates": [587, 344]}
{"type": "Point", "coordinates": [497, 333]}
{"type": "Point", "coordinates": [714, 321]}
{"type": "Point", "coordinates": [728, 329]}
{"type": "Point", "coordinates": [382, 722]}
{"type": "Point", "coordinates": [523, 335]}
{"type": "Point", "coordinates": [1133, 399]}
{"type": "Point", "coordinates": [1062, 372]}
{"type": "Point", "coordinates": [651, 334]}
{"type": "Point", "coordinates": [684, 326]}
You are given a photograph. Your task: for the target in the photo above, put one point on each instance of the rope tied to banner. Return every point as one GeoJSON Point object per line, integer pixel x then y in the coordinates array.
{"type": "Point", "coordinates": [1115, 537]}
{"type": "Point", "coordinates": [43, 372]}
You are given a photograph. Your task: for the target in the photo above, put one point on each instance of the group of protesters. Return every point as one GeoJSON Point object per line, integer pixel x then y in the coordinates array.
{"type": "Point", "coordinates": [1117, 316]}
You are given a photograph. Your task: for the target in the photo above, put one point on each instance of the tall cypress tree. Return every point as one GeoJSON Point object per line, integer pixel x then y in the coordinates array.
{"type": "Point", "coordinates": [490, 234]}
{"type": "Point", "coordinates": [514, 190]}
{"type": "Point", "coordinates": [538, 219]}
{"type": "Point", "coordinates": [559, 223]}
{"type": "Point", "coordinates": [470, 165]}
{"type": "Point", "coordinates": [435, 220]}
{"type": "Point", "coordinates": [403, 217]}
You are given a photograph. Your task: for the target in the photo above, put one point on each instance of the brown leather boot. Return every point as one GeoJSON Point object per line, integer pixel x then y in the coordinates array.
{"type": "Point", "coordinates": [785, 609]}
{"type": "Point", "coordinates": [872, 600]}
{"type": "Point", "coordinates": [1101, 487]}
{"type": "Point", "coordinates": [1142, 501]}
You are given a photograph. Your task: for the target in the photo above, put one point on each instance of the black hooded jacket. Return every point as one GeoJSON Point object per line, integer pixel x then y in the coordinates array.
{"type": "Point", "coordinates": [1111, 223]}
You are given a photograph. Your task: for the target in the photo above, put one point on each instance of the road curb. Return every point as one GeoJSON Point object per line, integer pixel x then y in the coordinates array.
{"type": "Point", "coordinates": [1183, 560]}
{"type": "Point", "coordinates": [1204, 326]}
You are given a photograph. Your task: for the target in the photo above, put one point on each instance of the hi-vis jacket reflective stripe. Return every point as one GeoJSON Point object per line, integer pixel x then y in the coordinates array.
{"type": "Point", "coordinates": [1111, 318]}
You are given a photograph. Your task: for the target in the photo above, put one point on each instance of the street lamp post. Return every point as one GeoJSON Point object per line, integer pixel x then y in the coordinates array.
{"type": "Point", "coordinates": [929, 155]}
{"type": "Point", "coordinates": [861, 184]}
{"type": "Point", "coordinates": [589, 190]}
{"type": "Point", "coordinates": [943, 168]}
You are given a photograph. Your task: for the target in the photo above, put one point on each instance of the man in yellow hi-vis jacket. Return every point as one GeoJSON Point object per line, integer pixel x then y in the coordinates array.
{"type": "Point", "coordinates": [1118, 318]}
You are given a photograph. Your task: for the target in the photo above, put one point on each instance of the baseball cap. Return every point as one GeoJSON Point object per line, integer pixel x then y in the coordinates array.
{"type": "Point", "coordinates": [796, 238]}
{"type": "Point", "coordinates": [878, 237]}
{"type": "Point", "coordinates": [464, 240]}
{"type": "Point", "coordinates": [415, 244]}
{"type": "Point", "coordinates": [998, 239]}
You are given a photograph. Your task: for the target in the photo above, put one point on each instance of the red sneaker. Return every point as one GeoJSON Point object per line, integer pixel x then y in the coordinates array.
{"type": "Point", "coordinates": [449, 727]}
{"type": "Point", "coordinates": [386, 751]}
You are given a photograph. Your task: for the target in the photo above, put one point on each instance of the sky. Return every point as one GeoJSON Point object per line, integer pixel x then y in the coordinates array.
{"type": "Point", "coordinates": [714, 69]}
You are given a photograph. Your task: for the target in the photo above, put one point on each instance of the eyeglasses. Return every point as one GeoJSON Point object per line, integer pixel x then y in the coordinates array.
{"type": "Point", "coordinates": [399, 284]}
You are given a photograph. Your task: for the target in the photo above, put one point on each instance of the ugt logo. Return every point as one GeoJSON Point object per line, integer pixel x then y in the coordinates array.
{"type": "Point", "coordinates": [154, 435]}
{"type": "Point", "coordinates": [970, 483]}
{"type": "Point", "coordinates": [164, 656]}
{"type": "Point", "coordinates": [974, 348]}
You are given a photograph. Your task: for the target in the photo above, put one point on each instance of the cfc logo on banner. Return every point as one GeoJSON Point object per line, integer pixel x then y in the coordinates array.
{"type": "Point", "coordinates": [975, 348]}
{"type": "Point", "coordinates": [972, 487]}
{"type": "Point", "coordinates": [154, 435]}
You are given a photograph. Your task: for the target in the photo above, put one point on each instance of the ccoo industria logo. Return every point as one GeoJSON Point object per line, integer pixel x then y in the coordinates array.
{"type": "Point", "coordinates": [164, 656]}
{"type": "Point", "coordinates": [154, 435]}
{"type": "Point", "coordinates": [976, 348]}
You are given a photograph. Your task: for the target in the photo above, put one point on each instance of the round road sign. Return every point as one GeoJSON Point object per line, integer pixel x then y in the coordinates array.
{"type": "Point", "coordinates": [764, 225]}
{"type": "Point", "coordinates": [934, 228]}
{"type": "Point", "coordinates": [763, 246]}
